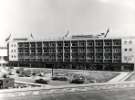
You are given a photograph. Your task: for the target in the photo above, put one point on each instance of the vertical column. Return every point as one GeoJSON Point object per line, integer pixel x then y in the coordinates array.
{"type": "Point", "coordinates": [36, 51]}
{"type": "Point", "coordinates": [63, 51]}
{"type": "Point", "coordinates": [112, 50]}
{"type": "Point", "coordinates": [42, 51]}
{"type": "Point", "coordinates": [103, 50]}
{"type": "Point", "coordinates": [70, 51]}
{"type": "Point", "coordinates": [94, 47]}
{"type": "Point", "coordinates": [56, 50]}
{"type": "Point", "coordinates": [86, 50]}
{"type": "Point", "coordinates": [134, 67]}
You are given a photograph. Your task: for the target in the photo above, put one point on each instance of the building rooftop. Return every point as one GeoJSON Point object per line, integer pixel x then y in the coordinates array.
{"type": "Point", "coordinates": [73, 37]}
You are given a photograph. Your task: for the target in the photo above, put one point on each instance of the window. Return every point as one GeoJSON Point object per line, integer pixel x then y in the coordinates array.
{"type": "Point", "coordinates": [12, 50]}
{"type": "Point", "coordinates": [130, 42]}
{"type": "Point", "coordinates": [125, 57]}
{"type": "Point", "coordinates": [125, 49]}
{"type": "Point", "coordinates": [130, 49]}
{"type": "Point", "coordinates": [125, 42]}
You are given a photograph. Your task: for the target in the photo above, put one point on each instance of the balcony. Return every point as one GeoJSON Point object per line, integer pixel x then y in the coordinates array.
{"type": "Point", "coordinates": [90, 60]}
{"type": "Point", "coordinates": [82, 44]}
{"type": "Point", "coordinates": [74, 43]}
{"type": "Point", "coordinates": [99, 43]}
{"type": "Point", "coordinates": [116, 42]}
{"type": "Point", "coordinates": [52, 50]}
{"type": "Point", "coordinates": [67, 59]}
{"type": "Point", "coordinates": [107, 43]}
{"type": "Point", "coordinates": [108, 58]}
{"type": "Point", "coordinates": [99, 61]}
{"type": "Point", "coordinates": [81, 58]}
{"type": "Point", "coordinates": [32, 54]}
{"type": "Point", "coordinates": [74, 60]}
{"type": "Point", "coordinates": [99, 51]}
{"type": "Point", "coordinates": [99, 57]}
{"type": "Point", "coordinates": [67, 51]}
{"type": "Point", "coordinates": [26, 54]}
{"type": "Point", "coordinates": [81, 51]}
{"type": "Point", "coordinates": [20, 54]}
{"type": "Point", "coordinates": [59, 51]}
{"type": "Point", "coordinates": [90, 43]}
{"type": "Point", "coordinates": [67, 43]}
{"type": "Point", "coordinates": [52, 44]}
{"type": "Point", "coordinates": [74, 50]}
{"type": "Point", "coordinates": [45, 44]}
{"type": "Point", "coordinates": [20, 45]}
{"type": "Point", "coordinates": [60, 59]}
{"type": "Point", "coordinates": [116, 61]}
{"type": "Point", "coordinates": [26, 45]}
{"type": "Point", "coordinates": [107, 50]}
{"type": "Point", "coordinates": [39, 53]}
{"type": "Point", "coordinates": [60, 44]}
{"type": "Point", "coordinates": [107, 61]}
{"type": "Point", "coordinates": [116, 50]}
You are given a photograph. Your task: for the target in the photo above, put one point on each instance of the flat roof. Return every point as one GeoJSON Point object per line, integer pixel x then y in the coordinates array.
{"type": "Point", "coordinates": [76, 38]}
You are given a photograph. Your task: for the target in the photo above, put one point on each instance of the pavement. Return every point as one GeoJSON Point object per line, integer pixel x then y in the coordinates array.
{"type": "Point", "coordinates": [121, 77]}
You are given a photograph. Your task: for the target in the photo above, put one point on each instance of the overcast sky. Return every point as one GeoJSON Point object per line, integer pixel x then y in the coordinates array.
{"type": "Point", "coordinates": [52, 18]}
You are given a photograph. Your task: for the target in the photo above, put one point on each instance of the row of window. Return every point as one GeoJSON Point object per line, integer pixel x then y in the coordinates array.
{"type": "Point", "coordinates": [13, 45]}
{"type": "Point", "coordinates": [128, 58]}
{"type": "Point", "coordinates": [13, 56]}
{"type": "Point", "coordinates": [127, 42]}
{"type": "Point", "coordinates": [128, 49]}
{"type": "Point", "coordinates": [72, 43]}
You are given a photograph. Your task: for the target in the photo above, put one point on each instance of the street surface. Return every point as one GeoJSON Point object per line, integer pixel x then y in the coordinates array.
{"type": "Point", "coordinates": [116, 94]}
{"type": "Point", "coordinates": [96, 91]}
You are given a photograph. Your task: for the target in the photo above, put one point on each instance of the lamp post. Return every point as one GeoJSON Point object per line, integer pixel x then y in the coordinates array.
{"type": "Point", "coordinates": [52, 69]}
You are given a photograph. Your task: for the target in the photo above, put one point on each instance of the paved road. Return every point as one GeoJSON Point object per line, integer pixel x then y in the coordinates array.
{"type": "Point", "coordinates": [116, 94]}
{"type": "Point", "coordinates": [97, 91]}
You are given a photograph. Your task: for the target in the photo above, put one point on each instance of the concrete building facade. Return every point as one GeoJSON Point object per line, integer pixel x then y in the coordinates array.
{"type": "Point", "coordinates": [74, 53]}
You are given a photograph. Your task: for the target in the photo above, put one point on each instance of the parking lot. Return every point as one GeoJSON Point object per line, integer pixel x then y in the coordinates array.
{"type": "Point", "coordinates": [60, 77]}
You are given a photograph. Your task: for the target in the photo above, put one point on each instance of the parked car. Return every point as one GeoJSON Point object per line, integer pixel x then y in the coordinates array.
{"type": "Point", "coordinates": [60, 77]}
{"type": "Point", "coordinates": [41, 81]}
{"type": "Point", "coordinates": [78, 79]}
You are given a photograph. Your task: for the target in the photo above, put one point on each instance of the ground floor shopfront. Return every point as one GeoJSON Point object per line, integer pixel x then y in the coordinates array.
{"type": "Point", "coordinates": [76, 65]}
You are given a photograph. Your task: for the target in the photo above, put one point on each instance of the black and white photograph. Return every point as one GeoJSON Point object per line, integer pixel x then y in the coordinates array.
{"type": "Point", "coordinates": [67, 49]}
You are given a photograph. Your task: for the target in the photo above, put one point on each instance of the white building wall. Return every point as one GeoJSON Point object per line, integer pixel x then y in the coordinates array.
{"type": "Point", "coordinates": [128, 50]}
{"type": "Point", "coordinates": [13, 51]}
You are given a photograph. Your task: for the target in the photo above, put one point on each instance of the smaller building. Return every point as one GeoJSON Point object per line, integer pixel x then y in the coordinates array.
{"type": "Point", "coordinates": [3, 55]}
{"type": "Point", "coordinates": [6, 83]}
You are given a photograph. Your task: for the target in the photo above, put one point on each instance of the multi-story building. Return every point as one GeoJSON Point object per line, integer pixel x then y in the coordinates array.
{"type": "Point", "coordinates": [74, 53]}
{"type": "Point", "coordinates": [3, 55]}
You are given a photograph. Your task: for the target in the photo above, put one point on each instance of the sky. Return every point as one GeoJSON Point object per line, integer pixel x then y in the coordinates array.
{"type": "Point", "coordinates": [52, 18]}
